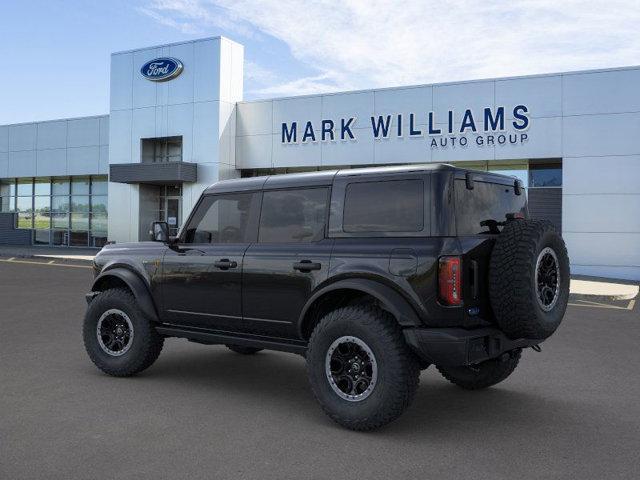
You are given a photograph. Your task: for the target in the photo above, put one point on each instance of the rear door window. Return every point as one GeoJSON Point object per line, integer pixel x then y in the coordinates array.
{"type": "Point", "coordinates": [293, 216]}
{"type": "Point", "coordinates": [384, 206]}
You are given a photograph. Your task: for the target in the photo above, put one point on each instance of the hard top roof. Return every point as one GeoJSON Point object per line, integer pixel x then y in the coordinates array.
{"type": "Point", "coordinates": [326, 177]}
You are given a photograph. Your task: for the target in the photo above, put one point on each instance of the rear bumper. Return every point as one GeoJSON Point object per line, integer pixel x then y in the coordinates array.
{"type": "Point", "coordinates": [457, 346]}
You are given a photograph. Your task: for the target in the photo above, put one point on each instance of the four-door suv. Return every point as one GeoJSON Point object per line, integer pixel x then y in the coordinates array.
{"type": "Point", "coordinates": [371, 274]}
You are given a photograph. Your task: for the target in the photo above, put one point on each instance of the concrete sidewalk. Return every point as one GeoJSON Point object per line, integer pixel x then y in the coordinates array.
{"type": "Point", "coordinates": [595, 288]}
{"type": "Point", "coordinates": [78, 254]}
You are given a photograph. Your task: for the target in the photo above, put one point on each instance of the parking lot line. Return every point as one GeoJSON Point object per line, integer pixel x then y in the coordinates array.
{"type": "Point", "coordinates": [44, 264]}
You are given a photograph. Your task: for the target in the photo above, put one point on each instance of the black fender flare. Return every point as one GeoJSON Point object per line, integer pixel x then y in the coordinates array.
{"type": "Point", "coordinates": [137, 286]}
{"type": "Point", "coordinates": [391, 300]}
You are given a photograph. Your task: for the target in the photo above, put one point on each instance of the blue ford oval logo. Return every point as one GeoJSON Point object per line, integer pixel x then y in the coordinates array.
{"type": "Point", "coordinates": [162, 69]}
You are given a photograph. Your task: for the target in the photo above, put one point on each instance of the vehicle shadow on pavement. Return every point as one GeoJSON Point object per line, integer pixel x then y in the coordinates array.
{"type": "Point", "coordinates": [214, 388]}
{"type": "Point", "coordinates": [266, 376]}
{"type": "Point", "coordinates": [278, 382]}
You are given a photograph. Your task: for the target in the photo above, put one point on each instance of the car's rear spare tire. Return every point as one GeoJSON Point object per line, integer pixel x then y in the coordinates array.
{"type": "Point", "coordinates": [529, 279]}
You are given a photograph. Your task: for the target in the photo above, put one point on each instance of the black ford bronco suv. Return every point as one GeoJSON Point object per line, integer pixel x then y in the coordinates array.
{"type": "Point", "coordinates": [371, 274]}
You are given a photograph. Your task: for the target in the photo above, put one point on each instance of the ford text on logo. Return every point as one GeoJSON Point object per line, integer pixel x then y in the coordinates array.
{"type": "Point", "coordinates": [162, 69]}
{"type": "Point", "coordinates": [488, 127]}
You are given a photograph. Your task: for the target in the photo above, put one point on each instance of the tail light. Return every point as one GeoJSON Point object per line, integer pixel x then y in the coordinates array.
{"type": "Point", "coordinates": [449, 280]}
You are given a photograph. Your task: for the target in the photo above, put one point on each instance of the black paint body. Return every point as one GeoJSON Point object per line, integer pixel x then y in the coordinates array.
{"type": "Point", "coordinates": [260, 294]}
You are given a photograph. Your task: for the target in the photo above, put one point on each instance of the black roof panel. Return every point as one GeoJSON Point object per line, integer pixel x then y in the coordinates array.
{"type": "Point", "coordinates": [325, 177]}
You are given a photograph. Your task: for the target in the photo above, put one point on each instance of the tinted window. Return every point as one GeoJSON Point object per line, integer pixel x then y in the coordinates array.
{"type": "Point", "coordinates": [293, 215]}
{"type": "Point", "coordinates": [487, 201]}
{"type": "Point", "coordinates": [224, 219]}
{"type": "Point", "coordinates": [392, 206]}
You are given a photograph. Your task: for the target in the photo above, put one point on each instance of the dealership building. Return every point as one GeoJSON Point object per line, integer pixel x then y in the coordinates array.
{"type": "Point", "coordinates": [178, 123]}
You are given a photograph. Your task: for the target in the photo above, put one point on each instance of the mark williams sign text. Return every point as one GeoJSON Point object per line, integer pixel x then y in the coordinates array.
{"type": "Point", "coordinates": [489, 127]}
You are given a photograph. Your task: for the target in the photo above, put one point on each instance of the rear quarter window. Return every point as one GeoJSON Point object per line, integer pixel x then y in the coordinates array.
{"type": "Point", "coordinates": [384, 206]}
{"type": "Point", "coordinates": [487, 201]}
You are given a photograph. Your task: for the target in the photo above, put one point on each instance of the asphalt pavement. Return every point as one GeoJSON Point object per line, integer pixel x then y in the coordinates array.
{"type": "Point", "coordinates": [569, 412]}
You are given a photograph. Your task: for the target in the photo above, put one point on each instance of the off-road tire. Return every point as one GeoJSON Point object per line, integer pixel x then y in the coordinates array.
{"type": "Point", "coordinates": [146, 344]}
{"type": "Point", "coordinates": [398, 368]}
{"type": "Point", "coordinates": [243, 350]}
{"type": "Point", "coordinates": [483, 375]}
{"type": "Point", "coordinates": [512, 279]}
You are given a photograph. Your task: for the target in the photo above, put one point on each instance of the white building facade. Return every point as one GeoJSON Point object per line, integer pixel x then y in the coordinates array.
{"type": "Point", "coordinates": [177, 123]}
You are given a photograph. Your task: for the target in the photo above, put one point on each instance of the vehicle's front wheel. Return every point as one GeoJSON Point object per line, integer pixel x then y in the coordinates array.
{"type": "Point", "coordinates": [482, 375]}
{"type": "Point", "coordinates": [118, 337]}
{"type": "Point", "coordinates": [361, 371]}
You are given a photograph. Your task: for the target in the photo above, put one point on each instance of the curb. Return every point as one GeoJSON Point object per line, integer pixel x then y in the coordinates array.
{"type": "Point", "coordinates": [600, 298]}
{"type": "Point", "coordinates": [598, 289]}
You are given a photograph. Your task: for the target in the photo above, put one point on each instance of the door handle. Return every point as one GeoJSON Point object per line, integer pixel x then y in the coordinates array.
{"type": "Point", "coordinates": [225, 264]}
{"type": "Point", "coordinates": [306, 266]}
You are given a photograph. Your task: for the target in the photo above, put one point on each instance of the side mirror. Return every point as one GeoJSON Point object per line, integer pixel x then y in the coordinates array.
{"type": "Point", "coordinates": [159, 232]}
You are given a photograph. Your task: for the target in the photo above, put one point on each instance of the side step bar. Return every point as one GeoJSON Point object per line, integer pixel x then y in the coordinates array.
{"type": "Point", "coordinates": [222, 337]}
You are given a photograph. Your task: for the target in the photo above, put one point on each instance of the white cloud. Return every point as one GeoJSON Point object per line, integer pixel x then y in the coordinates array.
{"type": "Point", "coordinates": [301, 86]}
{"type": "Point", "coordinates": [374, 43]}
{"type": "Point", "coordinates": [196, 16]}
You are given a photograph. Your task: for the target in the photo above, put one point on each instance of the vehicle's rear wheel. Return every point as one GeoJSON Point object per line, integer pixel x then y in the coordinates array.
{"type": "Point", "coordinates": [482, 375]}
{"type": "Point", "coordinates": [361, 371]}
{"type": "Point", "coordinates": [243, 350]}
{"type": "Point", "coordinates": [118, 337]}
{"type": "Point", "coordinates": [529, 279]}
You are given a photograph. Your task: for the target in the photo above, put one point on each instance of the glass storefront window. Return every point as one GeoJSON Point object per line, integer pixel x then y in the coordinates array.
{"type": "Point", "coordinates": [42, 237]}
{"type": "Point", "coordinates": [80, 186]}
{"type": "Point", "coordinates": [98, 240]}
{"type": "Point", "coordinates": [42, 186]}
{"type": "Point", "coordinates": [60, 211]}
{"type": "Point", "coordinates": [60, 204]}
{"type": "Point", "coordinates": [60, 220]}
{"type": "Point", "coordinates": [99, 186]}
{"type": "Point", "coordinates": [99, 223]}
{"type": "Point", "coordinates": [80, 203]}
{"type": "Point", "coordinates": [172, 190]}
{"type": "Point", "coordinates": [60, 186]}
{"type": "Point", "coordinates": [25, 220]}
{"type": "Point", "coordinates": [42, 212]}
{"type": "Point", "coordinates": [25, 211]}
{"type": "Point", "coordinates": [8, 187]}
{"type": "Point", "coordinates": [60, 237]}
{"type": "Point", "coordinates": [7, 204]}
{"type": "Point", "coordinates": [80, 221]}
{"type": "Point", "coordinates": [99, 204]}
{"type": "Point", "coordinates": [78, 239]}
{"type": "Point", "coordinates": [25, 188]}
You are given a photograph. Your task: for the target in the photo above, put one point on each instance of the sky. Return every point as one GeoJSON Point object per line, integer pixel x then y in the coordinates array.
{"type": "Point", "coordinates": [55, 53]}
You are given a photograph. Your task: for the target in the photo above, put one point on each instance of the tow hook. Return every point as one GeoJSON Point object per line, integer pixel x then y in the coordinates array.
{"type": "Point", "coordinates": [536, 348]}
